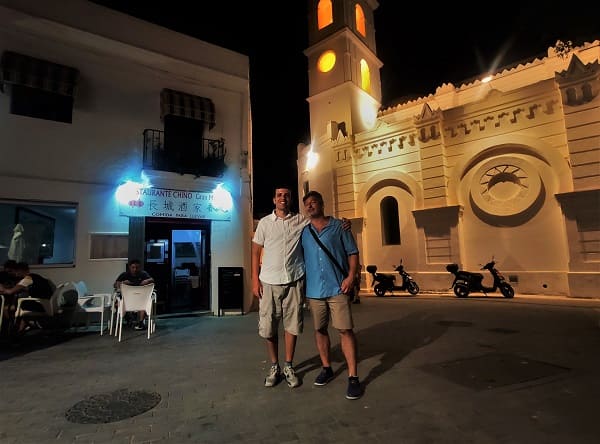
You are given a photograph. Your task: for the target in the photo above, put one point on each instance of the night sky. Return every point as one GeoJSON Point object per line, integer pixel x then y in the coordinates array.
{"type": "Point", "coordinates": [421, 48]}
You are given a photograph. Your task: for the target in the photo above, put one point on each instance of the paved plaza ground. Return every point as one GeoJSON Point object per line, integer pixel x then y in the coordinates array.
{"type": "Point", "coordinates": [435, 369]}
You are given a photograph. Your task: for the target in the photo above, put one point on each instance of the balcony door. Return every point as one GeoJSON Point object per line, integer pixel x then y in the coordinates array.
{"type": "Point", "coordinates": [183, 143]}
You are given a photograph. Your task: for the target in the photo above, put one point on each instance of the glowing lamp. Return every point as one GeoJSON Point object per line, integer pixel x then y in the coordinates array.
{"type": "Point", "coordinates": [128, 191]}
{"type": "Point", "coordinates": [221, 198]}
{"type": "Point", "coordinates": [312, 159]}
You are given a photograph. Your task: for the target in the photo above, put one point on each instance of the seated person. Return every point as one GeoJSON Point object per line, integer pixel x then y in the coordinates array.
{"type": "Point", "coordinates": [134, 276]}
{"type": "Point", "coordinates": [8, 279]}
{"type": "Point", "coordinates": [28, 284]}
{"type": "Point", "coordinates": [8, 276]}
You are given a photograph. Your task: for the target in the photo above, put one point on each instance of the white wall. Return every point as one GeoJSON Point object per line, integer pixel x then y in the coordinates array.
{"type": "Point", "coordinates": [124, 64]}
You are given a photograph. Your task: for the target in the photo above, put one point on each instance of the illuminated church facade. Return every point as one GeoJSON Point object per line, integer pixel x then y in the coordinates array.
{"type": "Point", "coordinates": [506, 166]}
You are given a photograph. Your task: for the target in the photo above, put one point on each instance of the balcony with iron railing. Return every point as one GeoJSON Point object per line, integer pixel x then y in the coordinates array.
{"type": "Point", "coordinates": [205, 159]}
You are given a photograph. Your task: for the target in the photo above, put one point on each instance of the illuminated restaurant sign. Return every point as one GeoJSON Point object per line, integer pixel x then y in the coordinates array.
{"type": "Point", "coordinates": [161, 202]}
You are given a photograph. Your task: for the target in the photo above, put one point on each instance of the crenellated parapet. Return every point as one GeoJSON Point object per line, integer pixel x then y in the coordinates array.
{"type": "Point", "coordinates": [579, 86]}
{"type": "Point", "coordinates": [504, 120]}
{"type": "Point", "coordinates": [579, 83]}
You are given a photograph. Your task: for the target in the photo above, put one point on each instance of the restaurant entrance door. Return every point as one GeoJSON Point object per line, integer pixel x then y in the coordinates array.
{"type": "Point", "coordinates": [183, 275]}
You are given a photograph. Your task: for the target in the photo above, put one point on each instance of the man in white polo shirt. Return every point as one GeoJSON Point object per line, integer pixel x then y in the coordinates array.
{"type": "Point", "coordinates": [278, 282]}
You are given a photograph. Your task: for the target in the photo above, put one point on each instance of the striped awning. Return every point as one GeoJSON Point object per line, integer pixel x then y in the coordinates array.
{"type": "Point", "coordinates": [19, 69]}
{"type": "Point", "coordinates": [181, 104]}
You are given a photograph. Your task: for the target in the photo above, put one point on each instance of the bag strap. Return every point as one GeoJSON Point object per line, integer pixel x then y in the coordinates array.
{"type": "Point", "coordinates": [331, 257]}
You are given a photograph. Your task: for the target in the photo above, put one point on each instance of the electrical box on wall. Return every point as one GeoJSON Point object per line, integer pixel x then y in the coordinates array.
{"type": "Point", "coordinates": [231, 289]}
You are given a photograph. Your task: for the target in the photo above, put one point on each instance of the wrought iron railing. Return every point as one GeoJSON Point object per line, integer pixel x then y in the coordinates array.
{"type": "Point", "coordinates": [206, 159]}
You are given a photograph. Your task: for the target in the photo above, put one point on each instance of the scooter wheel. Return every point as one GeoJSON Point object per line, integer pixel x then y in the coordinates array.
{"type": "Point", "coordinates": [461, 291]}
{"type": "Point", "coordinates": [507, 291]}
{"type": "Point", "coordinates": [379, 291]}
{"type": "Point", "coordinates": [413, 288]}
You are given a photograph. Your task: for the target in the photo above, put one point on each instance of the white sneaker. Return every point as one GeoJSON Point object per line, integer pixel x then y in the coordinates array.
{"type": "Point", "coordinates": [273, 377]}
{"type": "Point", "coordinates": [290, 376]}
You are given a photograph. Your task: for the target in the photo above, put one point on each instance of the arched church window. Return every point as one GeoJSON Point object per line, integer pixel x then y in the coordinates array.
{"type": "Point", "coordinates": [359, 15]}
{"type": "Point", "coordinates": [390, 221]}
{"type": "Point", "coordinates": [324, 14]}
{"type": "Point", "coordinates": [365, 76]}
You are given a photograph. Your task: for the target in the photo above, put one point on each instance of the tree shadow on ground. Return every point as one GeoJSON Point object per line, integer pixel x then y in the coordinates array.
{"type": "Point", "coordinates": [392, 341]}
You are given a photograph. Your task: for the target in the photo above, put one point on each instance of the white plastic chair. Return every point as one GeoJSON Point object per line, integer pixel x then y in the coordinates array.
{"type": "Point", "coordinates": [114, 300]}
{"type": "Point", "coordinates": [93, 303]}
{"type": "Point", "coordinates": [136, 298]}
{"type": "Point", "coordinates": [46, 308]}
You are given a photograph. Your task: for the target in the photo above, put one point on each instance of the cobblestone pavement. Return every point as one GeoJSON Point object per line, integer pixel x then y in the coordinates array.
{"type": "Point", "coordinates": [435, 369]}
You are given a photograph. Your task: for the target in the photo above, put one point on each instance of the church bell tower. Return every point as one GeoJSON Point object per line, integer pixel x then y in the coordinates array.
{"type": "Point", "coordinates": [343, 70]}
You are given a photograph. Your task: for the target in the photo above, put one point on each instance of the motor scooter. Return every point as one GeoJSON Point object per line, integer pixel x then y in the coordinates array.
{"type": "Point", "coordinates": [466, 282]}
{"type": "Point", "coordinates": [386, 282]}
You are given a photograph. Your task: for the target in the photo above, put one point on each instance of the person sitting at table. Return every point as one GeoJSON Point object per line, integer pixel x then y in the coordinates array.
{"type": "Point", "coordinates": [8, 279]}
{"type": "Point", "coordinates": [134, 276]}
{"type": "Point", "coordinates": [28, 284]}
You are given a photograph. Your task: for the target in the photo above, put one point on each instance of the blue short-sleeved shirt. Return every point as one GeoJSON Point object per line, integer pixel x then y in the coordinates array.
{"type": "Point", "coordinates": [323, 278]}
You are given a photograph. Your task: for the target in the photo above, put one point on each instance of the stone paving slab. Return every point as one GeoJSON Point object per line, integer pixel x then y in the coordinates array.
{"type": "Point", "coordinates": [209, 374]}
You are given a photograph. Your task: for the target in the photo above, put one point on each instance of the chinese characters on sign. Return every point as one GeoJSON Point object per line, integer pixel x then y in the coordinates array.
{"type": "Point", "coordinates": [160, 202]}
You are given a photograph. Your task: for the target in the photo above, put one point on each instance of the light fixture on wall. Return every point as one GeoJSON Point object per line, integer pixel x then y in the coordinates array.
{"type": "Point", "coordinates": [128, 191]}
{"type": "Point", "coordinates": [221, 198]}
{"type": "Point", "coordinates": [312, 159]}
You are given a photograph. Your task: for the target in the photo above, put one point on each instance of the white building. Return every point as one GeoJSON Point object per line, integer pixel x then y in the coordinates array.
{"type": "Point", "coordinates": [507, 167]}
{"type": "Point", "coordinates": [91, 99]}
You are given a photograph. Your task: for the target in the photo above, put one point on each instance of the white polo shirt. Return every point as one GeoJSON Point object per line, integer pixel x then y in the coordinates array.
{"type": "Point", "coordinates": [282, 259]}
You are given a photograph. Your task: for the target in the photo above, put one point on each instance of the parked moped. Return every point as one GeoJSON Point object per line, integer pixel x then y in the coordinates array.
{"type": "Point", "coordinates": [384, 282]}
{"type": "Point", "coordinates": [466, 282]}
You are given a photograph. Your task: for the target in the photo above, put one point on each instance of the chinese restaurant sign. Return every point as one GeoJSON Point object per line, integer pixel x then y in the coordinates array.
{"type": "Point", "coordinates": [160, 202]}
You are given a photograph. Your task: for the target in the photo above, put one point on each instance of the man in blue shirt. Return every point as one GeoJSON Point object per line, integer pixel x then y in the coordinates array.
{"type": "Point", "coordinates": [329, 285]}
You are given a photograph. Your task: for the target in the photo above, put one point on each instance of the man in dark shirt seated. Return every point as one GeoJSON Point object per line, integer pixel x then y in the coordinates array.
{"type": "Point", "coordinates": [134, 276]}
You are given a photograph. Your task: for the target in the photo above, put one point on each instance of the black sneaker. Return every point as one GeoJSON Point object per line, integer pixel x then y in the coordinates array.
{"type": "Point", "coordinates": [325, 376]}
{"type": "Point", "coordinates": [139, 326]}
{"type": "Point", "coordinates": [354, 389]}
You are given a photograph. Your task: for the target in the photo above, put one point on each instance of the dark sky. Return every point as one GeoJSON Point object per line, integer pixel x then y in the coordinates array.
{"type": "Point", "coordinates": [421, 48]}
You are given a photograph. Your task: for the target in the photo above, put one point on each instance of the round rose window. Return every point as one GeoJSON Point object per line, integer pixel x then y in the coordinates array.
{"type": "Point", "coordinates": [505, 186]}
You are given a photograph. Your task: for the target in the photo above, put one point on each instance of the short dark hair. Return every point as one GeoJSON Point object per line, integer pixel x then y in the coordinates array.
{"type": "Point", "coordinates": [282, 187]}
{"type": "Point", "coordinates": [134, 261]}
{"type": "Point", "coordinates": [314, 194]}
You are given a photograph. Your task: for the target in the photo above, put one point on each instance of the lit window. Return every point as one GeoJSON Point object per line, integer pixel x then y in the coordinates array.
{"type": "Point", "coordinates": [324, 14]}
{"type": "Point", "coordinates": [360, 20]}
{"type": "Point", "coordinates": [38, 233]}
{"type": "Point", "coordinates": [365, 76]}
{"type": "Point", "coordinates": [326, 62]}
